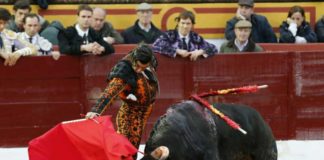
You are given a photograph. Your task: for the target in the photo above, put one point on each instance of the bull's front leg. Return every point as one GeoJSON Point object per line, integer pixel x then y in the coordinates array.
{"type": "Point", "coordinates": [267, 152]}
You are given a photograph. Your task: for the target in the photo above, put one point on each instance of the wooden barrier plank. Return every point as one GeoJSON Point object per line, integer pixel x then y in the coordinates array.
{"type": "Point", "coordinates": [309, 74]}
{"type": "Point", "coordinates": [307, 94]}
{"type": "Point", "coordinates": [276, 83]}
{"type": "Point", "coordinates": [303, 133]}
{"type": "Point", "coordinates": [279, 126]}
{"type": "Point", "coordinates": [172, 79]}
{"type": "Point", "coordinates": [96, 66]}
{"type": "Point", "coordinates": [42, 67]}
{"type": "Point", "coordinates": [18, 137]}
{"type": "Point", "coordinates": [269, 47]}
{"type": "Point", "coordinates": [242, 65]}
{"type": "Point", "coordinates": [39, 90]}
{"type": "Point", "coordinates": [32, 115]}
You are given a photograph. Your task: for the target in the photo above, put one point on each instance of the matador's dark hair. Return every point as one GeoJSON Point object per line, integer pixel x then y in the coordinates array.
{"type": "Point", "coordinates": [142, 53]}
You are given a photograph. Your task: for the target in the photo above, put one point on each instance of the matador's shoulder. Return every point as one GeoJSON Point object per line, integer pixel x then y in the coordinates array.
{"type": "Point", "coordinates": [122, 69]}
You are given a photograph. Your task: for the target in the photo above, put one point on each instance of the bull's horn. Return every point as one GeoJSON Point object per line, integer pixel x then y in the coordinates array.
{"type": "Point", "coordinates": [161, 153]}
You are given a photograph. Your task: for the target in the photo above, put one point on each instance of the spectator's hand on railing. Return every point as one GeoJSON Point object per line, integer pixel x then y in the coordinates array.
{"type": "Point", "coordinates": [182, 53]}
{"type": "Point", "coordinates": [97, 49]}
{"type": "Point", "coordinates": [3, 54]}
{"type": "Point", "coordinates": [91, 115]}
{"type": "Point", "coordinates": [12, 59]}
{"type": "Point", "coordinates": [93, 48]}
{"type": "Point", "coordinates": [195, 54]}
{"type": "Point", "coordinates": [56, 55]}
{"type": "Point", "coordinates": [87, 47]}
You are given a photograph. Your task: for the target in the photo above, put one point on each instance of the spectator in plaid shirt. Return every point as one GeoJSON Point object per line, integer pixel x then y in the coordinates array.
{"type": "Point", "coordinates": [182, 41]}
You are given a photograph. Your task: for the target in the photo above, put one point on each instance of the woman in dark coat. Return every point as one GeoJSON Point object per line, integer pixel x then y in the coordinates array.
{"type": "Point", "coordinates": [295, 29]}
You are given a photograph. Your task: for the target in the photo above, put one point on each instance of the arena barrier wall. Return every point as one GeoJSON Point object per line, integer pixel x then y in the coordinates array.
{"type": "Point", "coordinates": [39, 92]}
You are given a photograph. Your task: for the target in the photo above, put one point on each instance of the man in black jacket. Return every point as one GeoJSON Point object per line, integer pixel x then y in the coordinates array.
{"type": "Point", "coordinates": [143, 30]}
{"type": "Point", "coordinates": [80, 38]}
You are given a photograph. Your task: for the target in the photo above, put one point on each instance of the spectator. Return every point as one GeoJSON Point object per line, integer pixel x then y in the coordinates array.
{"type": "Point", "coordinates": [242, 42]}
{"type": "Point", "coordinates": [21, 8]}
{"type": "Point", "coordinates": [31, 27]}
{"type": "Point", "coordinates": [42, 4]}
{"type": "Point", "coordinates": [319, 29]}
{"type": "Point", "coordinates": [81, 38]}
{"type": "Point", "coordinates": [261, 29]}
{"type": "Point", "coordinates": [51, 32]}
{"type": "Point", "coordinates": [104, 28]}
{"type": "Point", "coordinates": [183, 41]}
{"type": "Point", "coordinates": [295, 29]}
{"type": "Point", "coordinates": [143, 30]}
{"type": "Point", "coordinates": [11, 47]}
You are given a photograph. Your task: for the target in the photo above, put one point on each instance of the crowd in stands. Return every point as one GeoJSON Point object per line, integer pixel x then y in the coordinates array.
{"type": "Point", "coordinates": [24, 33]}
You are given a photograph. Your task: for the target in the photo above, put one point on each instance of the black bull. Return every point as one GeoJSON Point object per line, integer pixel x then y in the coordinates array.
{"type": "Point", "coordinates": [191, 132]}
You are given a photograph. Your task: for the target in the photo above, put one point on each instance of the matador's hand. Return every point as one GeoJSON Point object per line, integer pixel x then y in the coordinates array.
{"type": "Point", "coordinates": [91, 115]}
